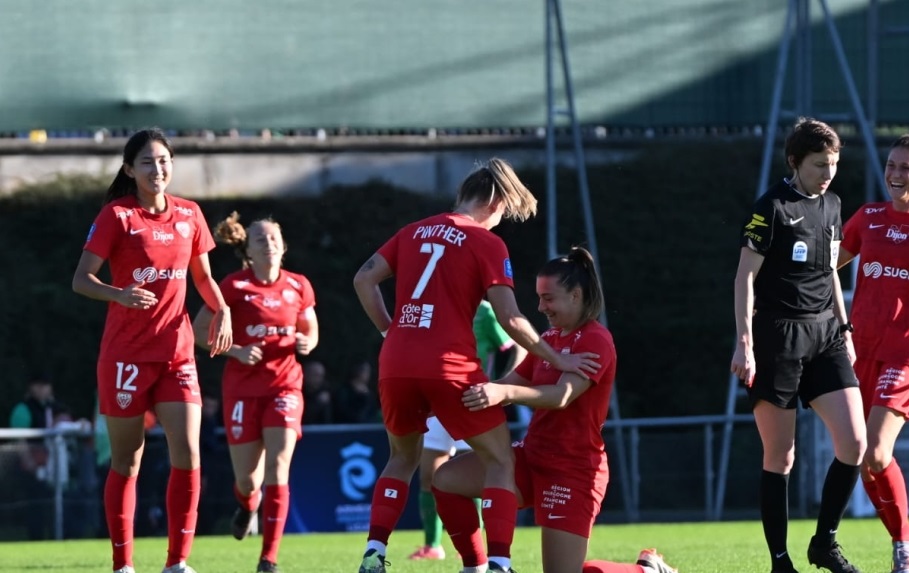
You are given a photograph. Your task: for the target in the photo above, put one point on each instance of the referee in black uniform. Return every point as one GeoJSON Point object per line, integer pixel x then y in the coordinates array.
{"type": "Point", "coordinates": [794, 339]}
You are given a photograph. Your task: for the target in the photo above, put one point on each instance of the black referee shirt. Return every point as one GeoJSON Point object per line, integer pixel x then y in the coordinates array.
{"type": "Point", "coordinates": [795, 234]}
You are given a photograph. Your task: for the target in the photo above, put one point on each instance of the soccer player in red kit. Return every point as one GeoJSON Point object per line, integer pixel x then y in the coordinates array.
{"type": "Point", "coordinates": [877, 233]}
{"type": "Point", "coordinates": [273, 317]}
{"type": "Point", "coordinates": [153, 243]}
{"type": "Point", "coordinates": [560, 465]}
{"type": "Point", "coordinates": [443, 266]}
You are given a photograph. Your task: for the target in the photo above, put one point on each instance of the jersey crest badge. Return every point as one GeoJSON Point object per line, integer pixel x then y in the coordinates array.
{"type": "Point", "coordinates": [124, 399]}
{"type": "Point", "coordinates": [182, 227]}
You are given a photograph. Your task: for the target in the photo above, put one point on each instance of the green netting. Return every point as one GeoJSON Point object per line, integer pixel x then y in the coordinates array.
{"type": "Point", "coordinates": [219, 64]}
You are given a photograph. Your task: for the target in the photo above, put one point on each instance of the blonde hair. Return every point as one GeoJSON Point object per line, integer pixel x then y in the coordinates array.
{"type": "Point", "coordinates": [496, 181]}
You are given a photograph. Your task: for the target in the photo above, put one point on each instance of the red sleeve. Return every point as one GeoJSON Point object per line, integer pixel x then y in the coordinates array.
{"type": "Point", "coordinates": [202, 241]}
{"type": "Point", "coordinates": [389, 251]}
{"type": "Point", "coordinates": [103, 234]}
{"type": "Point", "coordinates": [525, 368]}
{"type": "Point", "coordinates": [852, 236]}
{"type": "Point", "coordinates": [307, 294]}
{"type": "Point", "coordinates": [597, 343]}
{"type": "Point", "coordinates": [495, 265]}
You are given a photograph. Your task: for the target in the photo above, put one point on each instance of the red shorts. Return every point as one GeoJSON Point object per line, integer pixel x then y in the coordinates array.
{"type": "Point", "coordinates": [407, 402]}
{"type": "Point", "coordinates": [883, 384]}
{"type": "Point", "coordinates": [244, 418]}
{"type": "Point", "coordinates": [561, 500]}
{"type": "Point", "coordinates": [126, 390]}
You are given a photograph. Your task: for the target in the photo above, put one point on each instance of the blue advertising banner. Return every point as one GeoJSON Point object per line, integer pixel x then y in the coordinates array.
{"type": "Point", "coordinates": [332, 476]}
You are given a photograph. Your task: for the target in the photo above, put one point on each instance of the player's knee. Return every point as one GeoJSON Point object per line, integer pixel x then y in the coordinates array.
{"type": "Point", "coordinates": [850, 451]}
{"type": "Point", "coordinates": [877, 458]}
{"type": "Point", "coordinates": [780, 462]}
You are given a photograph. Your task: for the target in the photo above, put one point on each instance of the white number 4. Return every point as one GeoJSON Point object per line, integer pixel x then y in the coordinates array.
{"type": "Point", "coordinates": [437, 252]}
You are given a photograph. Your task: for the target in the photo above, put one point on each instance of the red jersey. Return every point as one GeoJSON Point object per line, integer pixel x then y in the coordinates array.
{"type": "Point", "coordinates": [443, 266]}
{"type": "Point", "coordinates": [878, 234]}
{"type": "Point", "coordinates": [572, 438]}
{"type": "Point", "coordinates": [266, 313]}
{"type": "Point", "coordinates": [155, 248]}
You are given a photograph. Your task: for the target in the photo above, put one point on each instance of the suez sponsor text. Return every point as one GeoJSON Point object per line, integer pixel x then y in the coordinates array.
{"type": "Point", "coordinates": [151, 274]}
{"type": "Point", "coordinates": [876, 270]}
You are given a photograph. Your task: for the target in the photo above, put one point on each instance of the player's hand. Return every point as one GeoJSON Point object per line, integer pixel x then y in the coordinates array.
{"type": "Point", "coordinates": [850, 347]}
{"type": "Point", "coordinates": [743, 364]}
{"type": "Point", "coordinates": [220, 335]}
{"type": "Point", "coordinates": [134, 296]}
{"type": "Point", "coordinates": [582, 364]}
{"type": "Point", "coordinates": [251, 354]}
{"type": "Point", "coordinates": [303, 344]}
{"type": "Point", "coordinates": [483, 396]}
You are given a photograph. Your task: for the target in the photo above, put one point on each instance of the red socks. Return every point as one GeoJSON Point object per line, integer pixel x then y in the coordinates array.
{"type": "Point", "coordinates": [182, 502]}
{"type": "Point", "coordinates": [388, 500]}
{"type": "Point", "coordinates": [500, 515]}
{"type": "Point", "coordinates": [459, 515]}
{"type": "Point", "coordinates": [274, 514]}
{"type": "Point", "coordinates": [120, 511]}
{"type": "Point", "coordinates": [248, 502]}
{"type": "Point", "coordinates": [891, 497]}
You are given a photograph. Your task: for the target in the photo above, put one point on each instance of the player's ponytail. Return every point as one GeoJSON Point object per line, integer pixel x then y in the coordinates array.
{"type": "Point", "coordinates": [577, 269]}
{"type": "Point", "coordinates": [231, 232]}
{"type": "Point", "coordinates": [497, 181]}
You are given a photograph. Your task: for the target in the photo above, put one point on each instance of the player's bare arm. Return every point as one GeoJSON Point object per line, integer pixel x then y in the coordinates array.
{"type": "Point", "coordinates": [307, 335]}
{"type": "Point", "coordinates": [521, 331]}
{"type": "Point", "coordinates": [548, 396]}
{"type": "Point", "coordinates": [87, 283]}
{"type": "Point", "coordinates": [366, 283]}
{"type": "Point", "coordinates": [220, 335]}
{"type": "Point", "coordinates": [743, 364]}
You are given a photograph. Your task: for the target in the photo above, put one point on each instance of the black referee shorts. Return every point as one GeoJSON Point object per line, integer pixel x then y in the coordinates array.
{"type": "Point", "coordinates": [798, 358]}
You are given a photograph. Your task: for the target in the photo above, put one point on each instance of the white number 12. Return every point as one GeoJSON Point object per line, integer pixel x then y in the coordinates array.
{"type": "Point", "coordinates": [437, 252]}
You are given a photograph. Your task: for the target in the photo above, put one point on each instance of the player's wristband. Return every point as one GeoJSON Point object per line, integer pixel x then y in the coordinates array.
{"type": "Point", "coordinates": [844, 328]}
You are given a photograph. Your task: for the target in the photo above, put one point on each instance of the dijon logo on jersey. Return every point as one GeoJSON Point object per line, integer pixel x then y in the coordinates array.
{"type": "Point", "coordinates": [160, 235]}
{"type": "Point", "coordinates": [897, 234]}
{"type": "Point", "coordinates": [756, 221]}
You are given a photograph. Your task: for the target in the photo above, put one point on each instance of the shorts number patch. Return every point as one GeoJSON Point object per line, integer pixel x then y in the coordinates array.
{"type": "Point", "coordinates": [236, 415]}
{"type": "Point", "coordinates": [126, 375]}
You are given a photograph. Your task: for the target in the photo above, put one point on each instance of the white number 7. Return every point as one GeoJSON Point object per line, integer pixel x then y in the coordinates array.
{"type": "Point", "coordinates": [437, 252]}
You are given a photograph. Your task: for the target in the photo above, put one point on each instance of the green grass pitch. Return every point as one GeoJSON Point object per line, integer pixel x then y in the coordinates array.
{"type": "Point", "coordinates": [736, 547]}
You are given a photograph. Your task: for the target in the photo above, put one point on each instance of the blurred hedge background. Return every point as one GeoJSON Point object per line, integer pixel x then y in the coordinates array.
{"type": "Point", "coordinates": [667, 222]}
